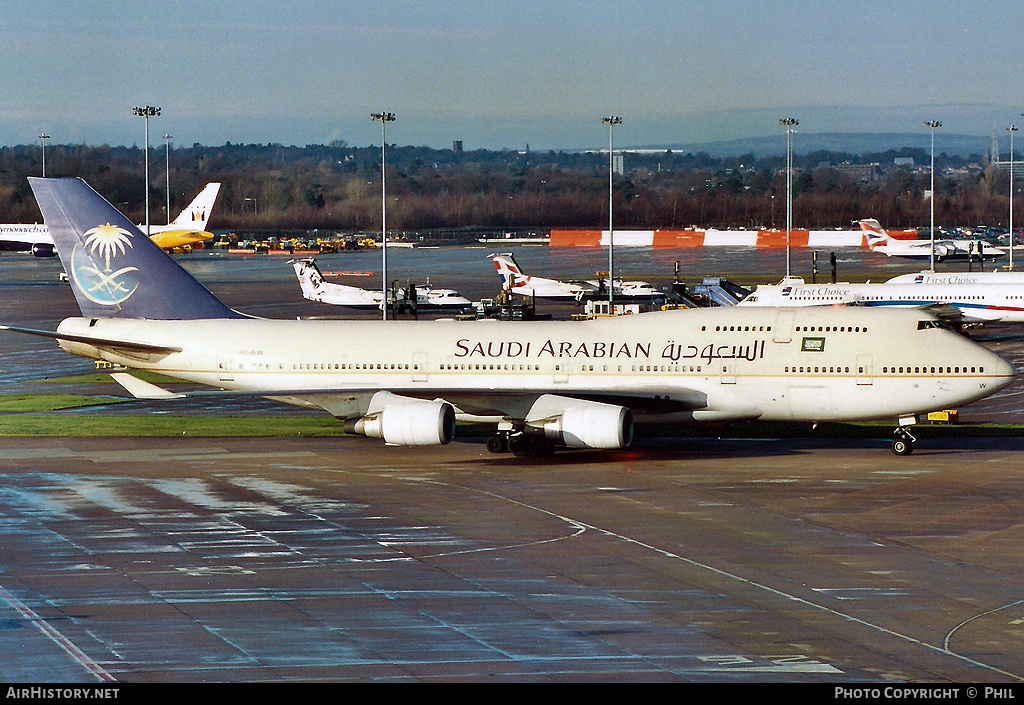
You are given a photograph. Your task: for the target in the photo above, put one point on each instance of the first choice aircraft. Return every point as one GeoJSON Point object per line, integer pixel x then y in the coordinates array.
{"type": "Point", "coordinates": [543, 383]}
{"type": "Point", "coordinates": [316, 288]}
{"type": "Point", "coordinates": [878, 240]}
{"type": "Point", "coordinates": [515, 281]}
{"type": "Point", "coordinates": [984, 299]}
{"type": "Point", "coordinates": [184, 231]}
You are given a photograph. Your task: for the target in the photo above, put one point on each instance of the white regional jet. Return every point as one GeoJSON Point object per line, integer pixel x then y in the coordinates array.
{"type": "Point", "coordinates": [185, 230]}
{"type": "Point", "coordinates": [515, 281]}
{"type": "Point", "coordinates": [989, 302]}
{"type": "Point", "coordinates": [544, 383]}
{"type": "Point", "coordinates": [316, 288]}
{"type": "Point", "coordinates": [878, 240]}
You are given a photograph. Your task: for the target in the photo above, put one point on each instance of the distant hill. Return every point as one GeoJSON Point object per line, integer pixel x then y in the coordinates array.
{"type": "Point", "coordinates": [850, 143]}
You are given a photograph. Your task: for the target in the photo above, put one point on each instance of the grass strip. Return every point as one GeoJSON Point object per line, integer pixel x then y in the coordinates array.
{"type": "Point", "coordinates": [50, 402]}
{"type": "Point", "coordinates": [151, 426]}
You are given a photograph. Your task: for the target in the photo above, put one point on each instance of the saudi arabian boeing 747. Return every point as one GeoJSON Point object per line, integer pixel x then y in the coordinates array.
{"type": "Point", "coordinates": [991, 301]}
{"type": "Point", "coordinates": [544, 384]}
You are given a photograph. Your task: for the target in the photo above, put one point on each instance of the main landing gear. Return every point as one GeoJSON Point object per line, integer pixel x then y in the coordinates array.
{"type": "Point", "coordinates": [903, 443]}
{"type": "Point", "coordinates": [520, 444]}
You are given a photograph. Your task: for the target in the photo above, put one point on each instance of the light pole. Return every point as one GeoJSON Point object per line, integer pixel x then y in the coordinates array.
{"type": "Point", "coordinates": [42, 140]}
{"type": "Point", "coordinates": [1011, 129]}
{"type": "Point", "coordinates": [255, 213]}
{"type": "Point", "coordinates": [933, 124]}
{"type": "Point", "coordinates": [611, 121]}
{"type": "Point", "coordinates": [167, 187]}
{"type": "Point", "coordinates": [147, 112]}
{"type": "Point", "coordinates": [789, 124]}
{"type": "Point", "coordinates": [384, 119]}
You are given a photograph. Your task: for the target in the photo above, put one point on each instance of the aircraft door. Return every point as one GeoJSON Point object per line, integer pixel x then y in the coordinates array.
{"type": "Point", "coordinates": [419, 367]}
{"type": "Point", "coordinates": [865, 372]}
{"type": "Point", "coordinates": [225, 368]}
{"type": "Point", "coordinates": [728, 372]}
{"type": "Point", "coordinates": [783, 332]}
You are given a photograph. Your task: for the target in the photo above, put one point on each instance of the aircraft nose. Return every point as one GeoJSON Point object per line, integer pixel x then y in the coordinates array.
{"type": "Point", "coordinates": [1003, 370]}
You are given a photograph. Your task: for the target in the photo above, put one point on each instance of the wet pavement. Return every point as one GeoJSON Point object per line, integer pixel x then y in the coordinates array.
{"type": "Point", "coordinates": [678, 560]}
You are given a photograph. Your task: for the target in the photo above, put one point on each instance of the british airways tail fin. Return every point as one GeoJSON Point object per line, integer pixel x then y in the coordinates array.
{"type": "Point", "coordinates": [115, 271]}
{"type": "Point", "coordinates": [874, 233]}
{"type": "Point", "coordinates": [197, 213]}
{"type": "Point", "coordinates": [508, 269]}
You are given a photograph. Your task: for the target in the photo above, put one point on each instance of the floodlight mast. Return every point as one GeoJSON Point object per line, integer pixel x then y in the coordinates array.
{"type": "Point", "coordinates": [789, 124]}
{"type": "Point", "coordinates": [1011, 129]}
{"type": "Point", "coordinates": [146, 112]}
{"type": "Point", "coordinates": [933, 124]}
{"type": "Point", "coordinates": [611, 121]}
{"type": "Point", "coordinates": [42, 140]}
{"type": "Point", "coordinates": [384, 119]}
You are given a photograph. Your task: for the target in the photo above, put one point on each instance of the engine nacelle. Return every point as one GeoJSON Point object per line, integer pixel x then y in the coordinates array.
{"type": "Point", "coordinates": [941, 252]}
{"type": "Point", "coordinates": [592, 425]}
{"type": "Point", "coordinates": [417, 423]}
{"type": "Point", "coordinates": [44, 249]}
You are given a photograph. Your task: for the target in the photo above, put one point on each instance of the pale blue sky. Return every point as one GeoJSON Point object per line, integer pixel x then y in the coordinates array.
{"type": "Point", "coordinates": [504, 73]}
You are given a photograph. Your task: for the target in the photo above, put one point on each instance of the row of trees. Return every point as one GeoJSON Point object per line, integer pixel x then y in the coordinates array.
{"type": "Point", "coordinates": [337, 187]}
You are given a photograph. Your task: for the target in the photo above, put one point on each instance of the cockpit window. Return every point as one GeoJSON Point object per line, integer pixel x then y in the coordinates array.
{"type": "Point", "coordinates": [933, 323]}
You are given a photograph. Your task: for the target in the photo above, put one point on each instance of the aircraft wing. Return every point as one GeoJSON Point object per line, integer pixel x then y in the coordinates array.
{"type": "Point", "coordinates": [947, 313]}
{"type": "Point", "coordinates": [528, 405]}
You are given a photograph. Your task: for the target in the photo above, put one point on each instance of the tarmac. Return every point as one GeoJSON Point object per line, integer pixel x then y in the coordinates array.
{"type": "Point", "coordinates": [702, 560]}
{"type": "Point", "coordinates": [692, 560]}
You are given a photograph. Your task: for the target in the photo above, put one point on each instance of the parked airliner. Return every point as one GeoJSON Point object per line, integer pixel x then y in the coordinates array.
{"type": "Point", "coordinates": [928, 277]}
{"type": "Point", "coordinates": [974, 302]}
{"type": "Point", "coordinates": [543, 383]}
{"type": "Point", "coordinates": [184, 231]}
{"type": "Point", "coordinates": [316, 288]}
{"type": "Point", "coordinates": [878, 240]}
{"type": "Point", "coordinates": [515, 281]}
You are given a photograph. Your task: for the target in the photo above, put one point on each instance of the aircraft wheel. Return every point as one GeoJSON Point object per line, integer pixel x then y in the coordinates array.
{"type": "Point", "coordinates": [518, 445]}
{"type": "Point", "coordinates": [902, 446]}
{"type": "Point", "coordinates": [497, 444]}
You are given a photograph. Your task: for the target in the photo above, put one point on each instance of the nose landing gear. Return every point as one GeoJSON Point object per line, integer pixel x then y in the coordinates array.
{"type": "Point", "coordinates": [903, 443]}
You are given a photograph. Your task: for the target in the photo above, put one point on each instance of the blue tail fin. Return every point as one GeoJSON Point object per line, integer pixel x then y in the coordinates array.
{"type": "Point", "coordinates": [114, 269]}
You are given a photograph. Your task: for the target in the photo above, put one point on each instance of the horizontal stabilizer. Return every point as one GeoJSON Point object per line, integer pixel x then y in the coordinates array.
{"type": "Point", "coordinates": [140, 389]}
{"type": "Point", "coordinates": [97, 342]}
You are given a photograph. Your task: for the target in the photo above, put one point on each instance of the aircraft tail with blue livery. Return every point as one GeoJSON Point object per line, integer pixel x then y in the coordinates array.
{"type": "Point", "coordinates": [116, 271]}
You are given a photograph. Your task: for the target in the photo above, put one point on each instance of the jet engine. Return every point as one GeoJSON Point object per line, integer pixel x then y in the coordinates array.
{"type": "Point", "coordinates": [44, 249]}
{"type": "Point", "coordinates": [941, 252]}
{"type": "Point", "coordinates": [591, 425]}
{"type": "Point", "coordinates": [416, 423]}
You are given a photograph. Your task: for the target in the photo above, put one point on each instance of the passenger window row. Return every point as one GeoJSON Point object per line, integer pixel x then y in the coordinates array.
{"type": "Point", "coordinates": [831, 329]}
{"type": "Point", "coordinates": [741, 329]}
{"type": "Point", "coordinates": [931, 370]}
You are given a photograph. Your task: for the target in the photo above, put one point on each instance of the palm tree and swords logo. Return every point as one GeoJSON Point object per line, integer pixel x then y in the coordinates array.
{"type": "Point", "coordinates": [101, 245]}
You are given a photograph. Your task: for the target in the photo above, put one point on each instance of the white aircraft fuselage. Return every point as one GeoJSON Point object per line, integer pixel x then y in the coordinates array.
{"type": "Point", "coordinates": [717, 364]}
{"type": "Point", "coordinates": [989, 301]}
